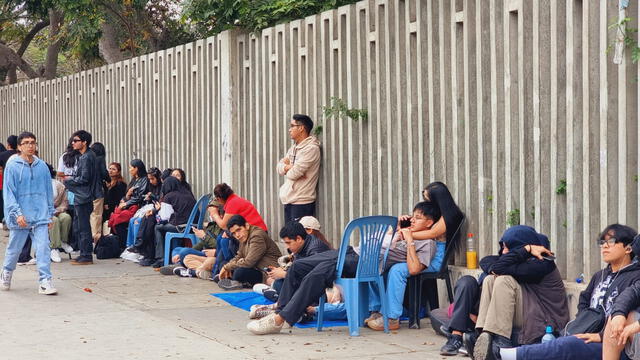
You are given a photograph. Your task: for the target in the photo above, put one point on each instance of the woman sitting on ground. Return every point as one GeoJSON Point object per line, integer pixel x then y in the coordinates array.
{"type": "Point", "coordinates": [116, 190]}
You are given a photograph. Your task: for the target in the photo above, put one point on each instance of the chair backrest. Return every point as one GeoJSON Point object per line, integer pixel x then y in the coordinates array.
{"type": "Point", "coordinates": [372, 231]}
{"type": "Point", "coordinates": [444, 268]}
{"type": "Point", "coordinates": [199, 210]}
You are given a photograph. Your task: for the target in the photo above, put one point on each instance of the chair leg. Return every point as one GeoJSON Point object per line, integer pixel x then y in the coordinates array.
{"type": "Point", "coordinates": [447, 279]}
{"type": "Point", "coordinates": [352, 304]}
{"type": "Point", "coordinates": [167, 248]}
{"type": "Point", "coordinates": [321, 312]}
{"type": "Point", "coordinates": [384, 305]}
{"type": "Point", "coordinates": [414, 302]}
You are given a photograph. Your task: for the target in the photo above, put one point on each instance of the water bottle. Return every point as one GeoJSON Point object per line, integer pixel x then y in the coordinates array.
{"type": "Point", "coordinates": [548, 336]}
{"type": "Point", "coordinates": [472, 254]}
{"type": "Point", "coordinates": [580, 279]}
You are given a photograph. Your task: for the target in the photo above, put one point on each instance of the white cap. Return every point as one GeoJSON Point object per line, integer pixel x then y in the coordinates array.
{"type": "Point", "coordinates": [309, 222]}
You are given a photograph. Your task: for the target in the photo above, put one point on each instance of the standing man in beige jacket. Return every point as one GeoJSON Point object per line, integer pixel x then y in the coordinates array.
{"type": "Point", "coordinates": [301, 169]}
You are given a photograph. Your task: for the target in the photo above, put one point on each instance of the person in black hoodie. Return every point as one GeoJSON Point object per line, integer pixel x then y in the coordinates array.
{"type": "Point", "coordinates": [522, 290]}
{"type": "Point", "coordinates": [623, 328]}
{"type": "Point", "coordinates": [622, 271]}
{"type": "Point", "coordinates": [86, 186]}
{"type": "Point", "coordinates": [98, 203]}
{"type": "Point", "coordinates": [181, 201]}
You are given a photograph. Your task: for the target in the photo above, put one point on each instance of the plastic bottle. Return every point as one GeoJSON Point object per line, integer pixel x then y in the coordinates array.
{"type": "Point", "coordinates": [548, 336]}
{"type": "Point", "coordinates": [472, 254]}
{"type": "Point", "coordinates": [580, 279]}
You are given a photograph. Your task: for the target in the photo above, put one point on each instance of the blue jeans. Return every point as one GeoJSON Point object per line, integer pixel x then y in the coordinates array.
{"type": "Point", "coordinates": [397, 283]}
{"type": "Point", "coordinates": [564, 348]}
{"type": "Point", "coordinates": [40, 238]}
{"type": "Point", "coordinates": [184, 251]}
{"type": "Point", "coordinates": [134, 225]}
{"type": "Point", "coordinates": [333, 312]}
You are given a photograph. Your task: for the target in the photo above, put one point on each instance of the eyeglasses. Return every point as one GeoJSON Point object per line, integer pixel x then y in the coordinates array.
{"type": "Point", "coordinates": [75, 140]}
{"type": "Point", "coordinates": [611, 242]}
{"type": "Point", "coordinates": [29, 143]}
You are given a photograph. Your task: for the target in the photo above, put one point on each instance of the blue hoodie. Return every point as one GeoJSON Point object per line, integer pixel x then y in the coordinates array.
{"type": "Point", "coordinates": [28, 192]}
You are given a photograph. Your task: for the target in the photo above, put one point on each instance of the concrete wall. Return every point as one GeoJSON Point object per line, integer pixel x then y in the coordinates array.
{"type": "Point", "coordinates": [500, 99]}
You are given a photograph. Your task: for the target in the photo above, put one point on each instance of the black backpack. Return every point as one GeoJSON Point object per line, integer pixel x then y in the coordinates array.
{"type": "Point", "coordinates": [108, 247]}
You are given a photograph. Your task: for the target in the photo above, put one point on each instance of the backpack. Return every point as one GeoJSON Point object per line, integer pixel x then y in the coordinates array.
{"type": "Point", "coordinates": [108, 247]}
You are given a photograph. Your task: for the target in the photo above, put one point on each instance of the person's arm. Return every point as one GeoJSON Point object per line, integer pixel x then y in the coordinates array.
{"type": "Point", "coordinates": [82, 176]}
{"type": "Point", "coordinates": [9, 189]}
{"type": "Point", "coordinates": [305, 158]}
{"type": "Point", "coordinates": [628, 300]}
{"type": "Point", "coordinates": [256, 249]}
{"type": "Point", "coordinates": [137, 196]}
{"type": "Point", "coordinates": [519, 264]}
{"type": "Point", "coordinates": [413, 263]}
{"type": "Point", "coordinates": [437, 230]}
{"type": "Point", "coordinates": [488, 261]}
{"type": "Point", "coordinates": [282, 163]}
{"type": "Point", "coordinates": [63, 202]}
{"type": "Point", "coordinates": [221, 220]}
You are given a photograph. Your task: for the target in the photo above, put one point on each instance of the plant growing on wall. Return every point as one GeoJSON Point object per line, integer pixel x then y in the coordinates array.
{"type": "Point", "coordinates": [513, 217]}
{"type": "Point", "coordinates": [562, 187]}
{"type": "Point", "coordinates": [339, 110]}
{"type": "Point", "coordinates": [628, 38]}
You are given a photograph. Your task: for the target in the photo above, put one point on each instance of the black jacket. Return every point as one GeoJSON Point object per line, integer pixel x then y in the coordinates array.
{"type": "Point", "coordinates": [519, 264]}
{"type": "Point", "coordinates": [140, 186]}
{"type": "Point", "coordinates": [629, 299]}
{"type": "Point", "coordinates": [626, 277]}
{"type": "Point", "coordinates": [102, 174]}
{"type": "Point", "coordinates": [182, 202]}
{"type": "Point", "coordinates": [5, 155]}
{"type": "Point", "coordinates": [85, 183]}
{"type": "Point", "coordinates": [312, 245]}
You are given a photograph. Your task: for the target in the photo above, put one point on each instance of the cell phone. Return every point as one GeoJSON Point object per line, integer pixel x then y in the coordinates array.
{"type": "Point", "coordinates": [266, 269]}
{"type": "Point", "coordinates": [549, 257]}
{"type": "Point", "coordinates": [405, 223]}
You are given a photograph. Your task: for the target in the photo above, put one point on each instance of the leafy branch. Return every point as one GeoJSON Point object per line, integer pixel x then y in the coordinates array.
{"type": "Point", "coordinates": [340, 110]}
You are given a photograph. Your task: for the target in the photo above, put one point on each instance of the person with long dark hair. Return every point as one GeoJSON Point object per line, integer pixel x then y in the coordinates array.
{"type": "Point", "coordinates": [182, 177]}
{"type": "Point", "coordinates": [98, 203]}
{"type": "Point", "coordinates": [116, 189]}
{"type": "Point", "coordinates": [155, 185]}
{"type": "Point", "coordinates": [131, 202]}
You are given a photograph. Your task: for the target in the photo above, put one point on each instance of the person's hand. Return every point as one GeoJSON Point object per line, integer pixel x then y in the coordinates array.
{"type": "Point", "coordinates": [122, 205]}
{"type": "Point", "coordinates": [224, 274]}
{"type": "Point", "coordinates": [277, 273]}
{"type": "Point", "coordinates": [628, 332]}
{"type": "Point", "coordinates": [287, 168]}
{"type": "Point", "coordinates": [22, 221]}
{"type": "Point", "coordinates": [148, 213]}
{"type": "Point", "coordinates": [538, 251]}
{"type": "Point", "coordinates": [616, 325]}
{"type": "Point", "coordinates": [224, 235]}
{"type": "Point", "coordinates": [407, 235]}
{"type": "Point", "coordinates": [209, 252]}
{"type": "Point", "coordinates": [198, 232]}
{"type": "Point", "coordinates": [286, 161]}
{"type": "Point", "coordinates": [50, 225]}
{"type": "Point", "coordinates": [589, 338]}
{"type": "Point", "coordinates": [175, 259]}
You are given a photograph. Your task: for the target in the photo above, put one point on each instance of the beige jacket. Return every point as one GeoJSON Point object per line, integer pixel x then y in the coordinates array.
{"type": "Point", "coordinates": [258, 252]}
{"type": "Point", "coordinates": [301, 180]}
{"type": "Point", "coordinates": [60, 202]}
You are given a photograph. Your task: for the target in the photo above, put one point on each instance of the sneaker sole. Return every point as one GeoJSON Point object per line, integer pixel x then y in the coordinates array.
{"type": "Point", "coordinates": [47, 292]}
{"type": "Point", "coordinates": [482, 347]}
{"type": "Point", "coordinates": [231, 287]}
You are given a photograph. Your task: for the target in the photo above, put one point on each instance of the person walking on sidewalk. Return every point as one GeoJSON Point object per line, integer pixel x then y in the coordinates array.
{"type": "Point", "coordinates": [85, 185]}
{"type": "Point", "coordinates": [27, 187]}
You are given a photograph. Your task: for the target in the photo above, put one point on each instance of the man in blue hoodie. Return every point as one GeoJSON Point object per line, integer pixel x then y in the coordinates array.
{"type": "Point", "coordinates": [27, 187]}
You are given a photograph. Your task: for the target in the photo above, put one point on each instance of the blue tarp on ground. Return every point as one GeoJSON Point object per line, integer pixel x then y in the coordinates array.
{"type": "Point", "coordinates": [244, 301]}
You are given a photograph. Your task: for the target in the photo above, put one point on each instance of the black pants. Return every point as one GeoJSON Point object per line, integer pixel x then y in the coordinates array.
{"type": "Point", "coordinates": [466, 297]}
{"type": "Point", "coordinates": [25, 254]}
{"type": "Point", "coordinates": [1, 207]}
{"type": "Point", "coordinates": [82, 228]}
{"type": "Point", "coordinates": [160, 231]}
{"type": "Point", "coordinates": [293, 212]}
{"type": "Point", "coordinates": [247, 275]}
{"type": "Point", "coordinates": [145, 238]}
{"type": "Point", "coordinates": [307, 280]}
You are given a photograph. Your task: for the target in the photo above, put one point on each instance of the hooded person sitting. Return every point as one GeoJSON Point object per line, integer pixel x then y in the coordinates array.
{"type": "Point", "coordinates": [523, 289]}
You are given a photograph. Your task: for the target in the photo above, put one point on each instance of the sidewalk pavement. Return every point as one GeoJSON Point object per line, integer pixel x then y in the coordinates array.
{"type": "Point", "coordinates": [118, 309]}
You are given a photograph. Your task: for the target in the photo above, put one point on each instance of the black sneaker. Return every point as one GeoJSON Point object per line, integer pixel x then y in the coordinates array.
{"type": "Point", "coordinates": [482, 349]}
{"type": "Point", "coordinates": [184, 272]}
{"type": "Point", "coordinates": [146, 262]}
{"type": "Point", "coordinates": [158, 264]}
{"type": "Point", "coordinates": [133, 249]}
{"type": "Point", "coordinates": [271, 295]}
{"type": "Point", "coordinates": [167, 270]}
{"type": "Point", "coordinates": [500, 342]}
{"type": "Point", "coordinates": [453, 345]}
{"type": "Point", "coordinates": [445, 330]}
{"type": "Point", "coordinates": [82, 260]}
{"type": "Point", "coordinates": [468, 342]}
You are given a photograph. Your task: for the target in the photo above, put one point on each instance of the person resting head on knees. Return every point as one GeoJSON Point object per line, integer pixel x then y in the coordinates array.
{"type": "Point", "coordinates": [600, 297]}
{"type": "Point", "coordinates": [234, 205]}
{"type": "Point", "coordinates": [256, 252]}
{"type": "Point", "coordinates": [407, 257]}
{"type": "Point", "coordinates": [522, 290]}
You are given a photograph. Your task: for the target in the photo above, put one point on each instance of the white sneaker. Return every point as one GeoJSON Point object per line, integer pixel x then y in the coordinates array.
{"type": "Point", "coordinates": [46, 288]}
{"type": "Point", "coordinates": [55, 256]}
{"type": "Point", "coordinates": [260, 288]}
{"type": "Point", "coordinates": [264, 326]}
{"type": "Point", "coordinates": [33, 261]}
{"type": "Point", "coordinates": [5, 278]}
{"type": "Point", "coordinates": [67, 248]}
{"type": "Point", "coordinates": [260, 311]}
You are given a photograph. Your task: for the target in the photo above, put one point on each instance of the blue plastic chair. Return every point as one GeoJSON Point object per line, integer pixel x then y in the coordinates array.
{"type": "Point", "coordinates": [199, 210]}
{"type": "Point", "coordinates": [372, 231]}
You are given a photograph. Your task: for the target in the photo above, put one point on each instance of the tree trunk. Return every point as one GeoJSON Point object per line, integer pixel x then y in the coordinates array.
{"type": "Point", "coordinates": [108, 44]}
{"type": "Point", "coordinates": [8, 58]}
{"type": "Point", "coordinates": [56, 18]}
{"type": "Point", "coordinates": [12, 74]}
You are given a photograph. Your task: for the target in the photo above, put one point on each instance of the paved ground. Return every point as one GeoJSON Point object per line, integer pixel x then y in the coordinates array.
{"type": "Point", "coordinates": [135, 313]}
